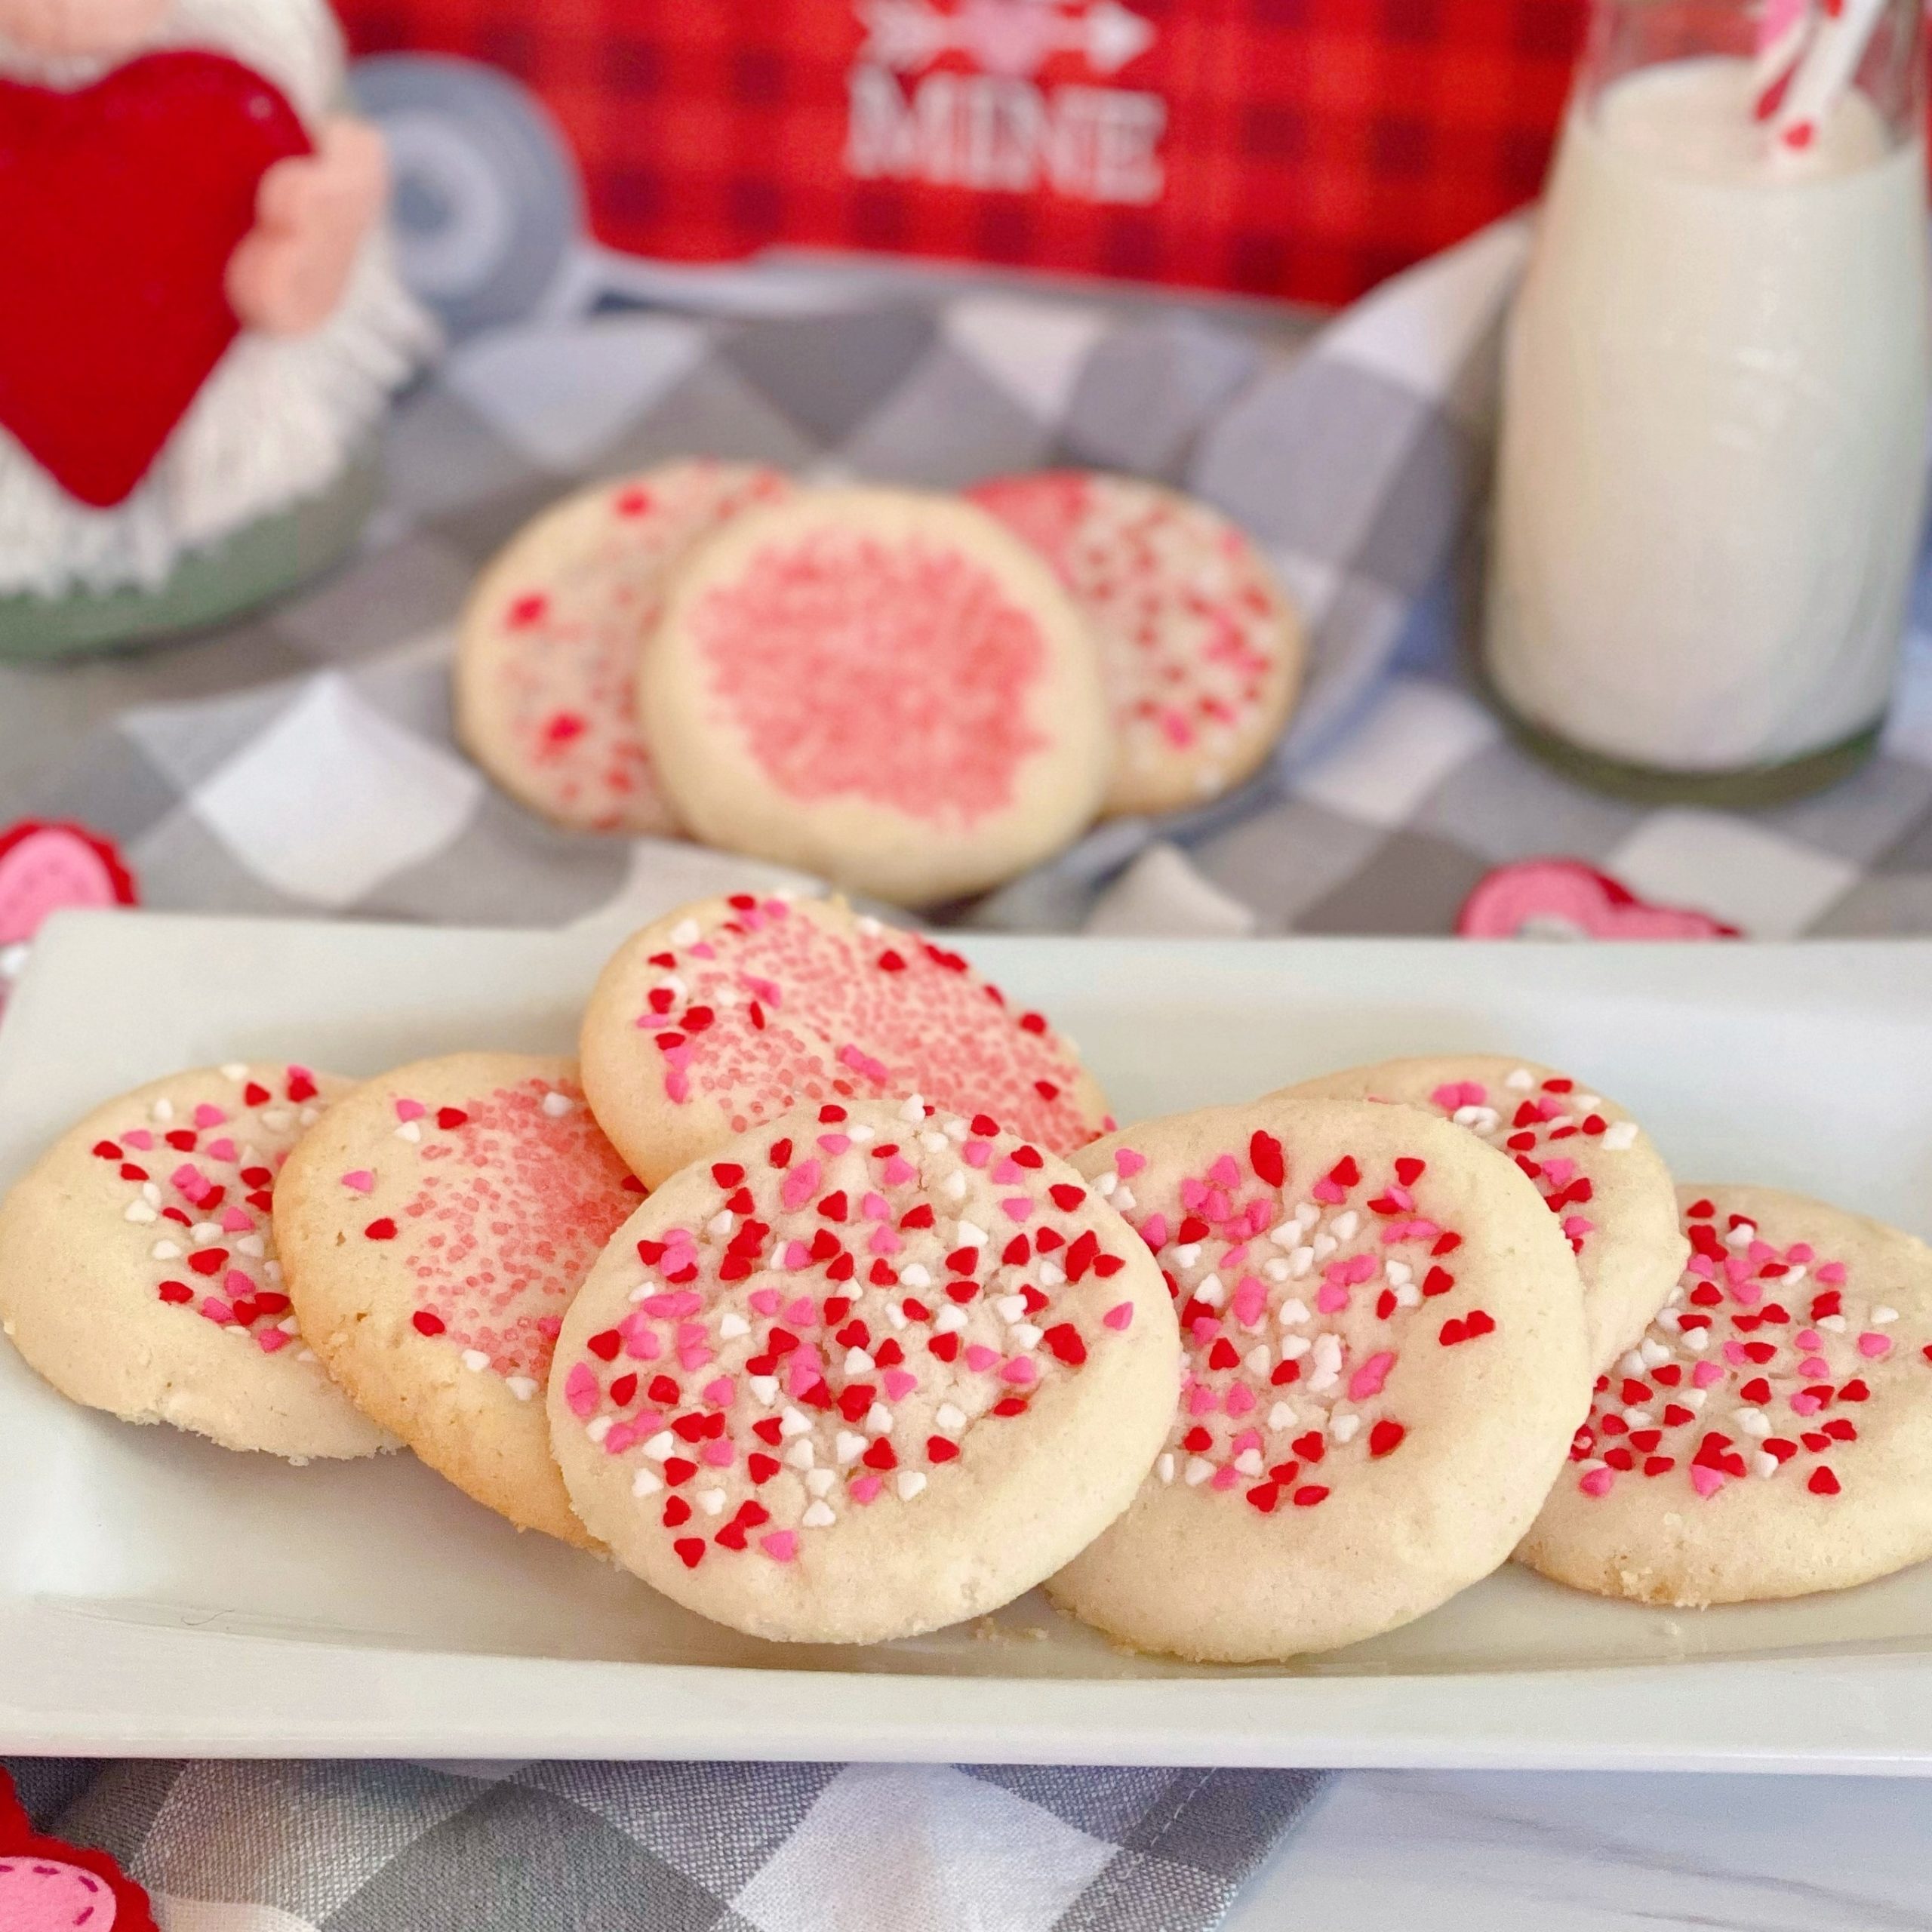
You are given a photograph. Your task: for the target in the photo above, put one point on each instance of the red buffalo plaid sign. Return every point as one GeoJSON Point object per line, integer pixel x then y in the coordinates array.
{"type": "Point", "coordinates": [1298, 148]}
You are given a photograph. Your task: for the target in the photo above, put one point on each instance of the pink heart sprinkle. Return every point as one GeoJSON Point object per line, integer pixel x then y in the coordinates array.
{"type": "Point", "coordinates": [1872, 1345]}
{"type": "Point", "coordinates": [1016, 1207]}
{"type": "Point", "coordinates": [980, 1357]}
{"type": "Point", "coordinates": [1832, 1274]}
{"type": "Point", "coordinates": [1201, 1401]}
{"type": "Point", "coordinates": [1747, 1294]}
{"type": "Point", "coordinates": [781, 1546]}
{"type": "Point", "coordinates": [269, 1340]}
{"type": "Point", "coordinates": [1119, 1316]}
{"type": "Point", "coordinates": [1249, 1438]}
{"type": "Point", "coordinates": [835, 1143]}
{"type": "Point", "coordinates": [1808, 1339]}
{"type": "Point", "coordinates": [1734, 1353]}
{"type": "Point", "coordinates": [234, 1221]}
{"type": "Point", "coordinates": [1020, 1372]}
{"type": "Point", "coordinates": [1241, 1398]}
{"type": "Point", "coordinates": [1225, 1478]}
{"type": "Point", "coordinates": [620, 1438]}
{"type": "Point", "coordinates": [206, 1116]}
{"type": "Point", "coordinates": [865, 1489]}
{"type": "Point", "coordinates": [899, 1384]}
{"type": "Point", "coordinates": [718, 1391]}
{"type": "Point", "coordinates": [549, 1327]}
{"type": "Point", "coordinates": [1224, 1172]}
{"type": "Point", "coordinates": [1803, 1404]}
{"type": "Point", "coordinates": [765, 1300]}
{"type": "Point", "coordinates": [1818, 1365]}
{"type": "Point", "coordinates": [884, 1241]}
{"type": "Point", "coordinates": [874, 1208]}
{"type": "Point", "coordinates": [1153, 1232]}
{"type": "Point", "coordinates": [409, 1110]}
{"type": "Point", "coordinates": [898, 1170]}
{"type": "Point", "coordinates": [1332, 1298]}
{"type": "Point", "coordinates": [801, 1311]}
{"type": "Point", "coordinates": [581, 1392]}
{"type": "Point", "coordinates": [1367, 1380]}
{"type": "Point", "coordinates": [977, 1153]}
{"type": "Point", "coordinates": [216, 1310]}
{"type": "Point", "coordinates": [359, 1180]}
{"type": "Point", "coordinates": [677, 1085]}
{"type": "Point", "coordinates": [719, 1455]}
{"type": "Point", "coordinates": [237, 1284]}
{"type": "Point", "coordinates": [1193, 1194]}
{"type": "Point", "coordinates": [1128, 1163]}
{"type": "Point", "coordinates": [1706, 1374]}
{"type": "Point", "coordinates": [1704, 1480]}
{"type": "Point", "coordinates": [222, 1149]}
{"type": "Point", "coordinates": [641, 1342]}
{"type": "Point", "coordinates": [796, 1256]}
{"type": "Point", "coordinates": [139, 1137]}
{"type": "Point", "coordinates": [1326, 1192]}
{"type": "Point", "coordinates": [1597, 1482]}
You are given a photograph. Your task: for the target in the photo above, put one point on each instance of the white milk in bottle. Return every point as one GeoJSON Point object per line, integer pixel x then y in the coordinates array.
{"type": "Point", "coordinates": [1711, 477]}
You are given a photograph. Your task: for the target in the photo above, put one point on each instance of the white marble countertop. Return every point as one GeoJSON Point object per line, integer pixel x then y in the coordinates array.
{"type": "Point", "coordinates": [1399, 1851]}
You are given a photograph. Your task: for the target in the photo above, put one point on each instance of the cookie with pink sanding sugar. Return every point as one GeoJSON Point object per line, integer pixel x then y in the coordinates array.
{"type": "Point", "coordinates": [888, 689]}
{"type": "Point", "coordinates": [434, 1229]}
{"type": "Point", "coordinates": [1771, 1433]}
{"type": "Point", "coordinates": [1380, 1382]}
{"type": "Point", "coordinates": [1201, 649]}
{"type": "Point", "coordinates": [1597, 1170]}
{"type": "Point", "coordinates": [139, 1269]}
{"type": "Point", "coordinates": [547, 655]}
{"type": "Point", "coordinates": [873, 1369]}
{"type": "Point", "coordinates": [729, 1012]}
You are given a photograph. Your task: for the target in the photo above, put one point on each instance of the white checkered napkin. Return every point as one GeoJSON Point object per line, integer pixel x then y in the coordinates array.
{"type": "Point", "coordinates": [579, 1847]}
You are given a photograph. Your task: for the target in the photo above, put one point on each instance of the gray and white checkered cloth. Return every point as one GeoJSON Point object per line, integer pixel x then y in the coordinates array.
{"type": "Point", "coordinates": [303, 763]}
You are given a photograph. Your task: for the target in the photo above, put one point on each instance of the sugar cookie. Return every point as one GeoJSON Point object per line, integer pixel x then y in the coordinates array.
{"type": "Point", "coordinates": [1592, 1163]}
{"type": "Point", "coordinates": [1771, 1434]}
{"type": "Point", "coordinates": [547, 655]}
{"type": "Point", "coordinates": [1200, 649]}
{"type": "Point", "coordinates": [885, 688]}
{"type": "Point", "coordinates": [726, 1013]}
{"type": "Point", "coordinates": [1378, 1384]}
{"type": "Point", "coordinates": [874, 1369]}
{"type": "Point", "coordinates": [434, 1229]}
{"type": "Point", "coordinates": [138, 1268]}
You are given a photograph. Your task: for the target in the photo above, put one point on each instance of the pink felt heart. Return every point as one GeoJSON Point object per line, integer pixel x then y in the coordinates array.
{"type": "Point", "coordinates": [1565, 899]}
{"type": "Point", "coordinates": [44, 868]}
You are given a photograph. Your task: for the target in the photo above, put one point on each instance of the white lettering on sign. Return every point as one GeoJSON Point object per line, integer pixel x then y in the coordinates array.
{"type": "Point", "coordinates": [1000, 128]}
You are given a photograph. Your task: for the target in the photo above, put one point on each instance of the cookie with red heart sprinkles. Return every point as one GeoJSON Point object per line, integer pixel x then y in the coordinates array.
{"type": "Point", "coordinates": [1771, 1433]}
{"type": "Point", "coordinates": [547, 659]}
{"type": "Point", "coordinates": [887, 689]}
{"type": "Point", "coordinates": [1383, 1363]}
{"type": "Point", "coordinates": [728, 1012]}
{"type": "Point", "coordinates": [874, 1368]}
{"type": "Point", "coordinates": [140, 1272]}
{"type": "Point", "coordinates": [1201, 649]}
{"type": "Point", "coordinates": [1595, 1167]}
{"type": "Point", "coordinates": [434, 1229]}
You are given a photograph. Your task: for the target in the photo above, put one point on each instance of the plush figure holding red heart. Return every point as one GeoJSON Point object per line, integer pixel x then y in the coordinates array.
{"type": "Point", "coordinates": [202, 325]}
{"type": "Point", "coordinates": [47, 1886]}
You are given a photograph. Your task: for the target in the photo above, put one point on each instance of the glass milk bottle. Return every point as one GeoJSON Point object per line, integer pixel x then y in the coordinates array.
{"type": "Point", "coordinates": [1712, 476]}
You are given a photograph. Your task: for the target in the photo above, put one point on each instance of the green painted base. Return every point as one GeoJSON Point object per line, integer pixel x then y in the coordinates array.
{"type": "Point", "coordinates": [260, 561]}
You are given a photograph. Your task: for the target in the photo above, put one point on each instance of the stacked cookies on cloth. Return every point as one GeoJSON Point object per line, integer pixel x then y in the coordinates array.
{"type": "Point", "coordinates": [915, 696]}
{"type": "Point", "coordinates": [822, 1293]}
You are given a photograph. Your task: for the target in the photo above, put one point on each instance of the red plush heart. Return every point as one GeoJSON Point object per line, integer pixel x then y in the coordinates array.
{"type": "Point", "coordinates": [120, 205]}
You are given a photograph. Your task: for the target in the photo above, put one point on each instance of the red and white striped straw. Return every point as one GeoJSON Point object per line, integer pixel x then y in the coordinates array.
{"type": "Point", "coordinates": [1825, 70]}
{"type": "Point", "coordinates": [1784, 31]}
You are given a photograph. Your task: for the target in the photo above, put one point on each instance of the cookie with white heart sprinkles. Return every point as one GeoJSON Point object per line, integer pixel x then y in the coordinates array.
{"type": "Point", "coordinates": [727, 1013]}
{"type": "Point", "coordinates": [1596, 1168]}
{"type": "Point", "coordinates": [1201, 649]}
{"type": "Point", "coordinates": [139, 1272]}
{"type": "Point", "coordinates": [434, 1229]}
{"type": "Point", "coordinates": [1379, 1381]}
{"type": "Point", "coordinates": [547, 656]}
{"type": "Point", "coordinates": [873, 1369]}
{"type": "Point", "coordinates": [1771, 1434]}
{"type": "Point", "coordinates": [888, 689]}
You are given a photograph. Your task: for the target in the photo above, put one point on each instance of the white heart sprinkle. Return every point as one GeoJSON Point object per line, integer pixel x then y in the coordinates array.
{"type": "Point", "coordinates": [1408, 1296]}
{"type": "Point", "coordinates": [410, 1131]}
{"type": "Point", "coordinates": [859, 1133]}
{"type": "Point", "coordinates": [818, 1481]}
{"type": "Point", "coordinates": [950, 1419]}
{"type": "Point", "coordinates": [1010, 1308]}
{"type": "Point", "coordinates": [308, 1116]}
{"type": "Point", "coordinates": [1051, 1274]}
{"type": "Point", "coordinates": [934, 1143]}
{"type": "Point", "coordinates": [1835, 1323]}
{"type": "Point", "coordinates": [140, 1210]}
{"type": "Point", "coordinates": [1280, 1417]}
{"type": "Point", "coordinates": [858, 1363]}
{"type": "Point", "coordinates": [1764, 1462]}
{"type": "Point", "coordinates": [1124, 1199]}
{"type": "Point", "coordinates": [276, 1120]}
{"type": "Point", "coordinates": [475, 1360]}
{"type": "Point", "coordinates": [954, 1186]}
{"type": "Point", "coordinates": [801, 1455]}
{"type": "Point", "coordinates": [685, 932]}
{"type": "Point", "coordinates": [162, 1110]}
{"type": "Point", "coordinates": [913, 1275]}
{"type": "Point", "coordinates": [1258, 1360]}
{"type": "Point", "coordinates": [662, 1446]}
{"type": "Point", "coordinates": [1293, 1347]}
{"type": "Point", "coordinates": [711, 1501]}
{"type": "Point", "coordinates": [792, 1423]}
{"type": "Point", "coordinates": [913, 1111]}
{"type": "Point", "coordinates": [645, 1484]}
{"type": "Point", "coordinates": [1346, 1226]}
{"type": "Point", "coordinates": [879, 1420]}
{"type": "Point", "coordinates": [1198, 1472]}
{"type": "Point", "coordinates": [848, 1447]}
{"type": "Point", "coordinates": [1210, 1289]}
{"type": "Point", "coordinates": [1187, 1253]}
{"type": "Point", "coordinates": [1622, 1137]}
{"type": "Point", "coordinates": [1692, 1398]}
{"type": "Point", "coordinates": [523, 1388]}
{"type": "Point", "coordinates": [1275, 1270]}
{"type": "Point", "coordinates": [909, 1484]}
{"type": "Point", "coordinates": [1343, 1427]}
{"type": "Point", "coordinates": [202, 1232]}
{"type": "Point", "coordinates": [1164, 1466]}
{"type": "Point", "coordinates": [600, 1428]}
{"type": "Point", "coordinates": [1521, 1080]}
{"type": "Point", "coordinates": [1881, 1314]}
{"type": "Point", "coordinates": [949, 1320]}
{"type": "Point", "coordinates": [1249, 1462]}
{"type": "Point", "coordinates": [557, 1105]}
{"type": "Point", "coordinates": [765, 1388]}
{"type": "Point", "coordinates": [1324, 1245]}
{"type": "Point", "coordinates": [1301, 1263]}
{"type": "Point", "coordinates": [252, 1246]}
{"type": "Point", "coordinates": [1654, 1353]}
{"type": "Point", "coordinates": [1023, 1335]}
{"type": "Point", "coordinates": [868, 926]}
{"type": "Point", "coordinates": [150, 1194]}
{"type": "Point", "coordinates": [722, 1223]}
{"type": "Point", "coordinates": [1697, 1340]}
{"type": "Point", "coordinates": [818, 1514]}
{"type": "Point", "coordinates": [971, 1234]}
{"type": "Point", "coordinates": [1108, 1182]}
{"type": "Point", "coordinates": [1753, 1422]}
{"type": "Point", "coordinates": [235, 1070]}
{"type": "Point", "coordinates": [731, 1325]}
{"type": "Point", "coordinates": [165, 1250]}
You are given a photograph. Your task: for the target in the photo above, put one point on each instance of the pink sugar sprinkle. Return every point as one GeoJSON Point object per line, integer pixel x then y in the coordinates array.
{"type": "Point", "coordinates": [549, 1327]}
{"type": "Point", "coordinates": [581, 1392]}
{"type": "Point", "coordinates": [1874, 1346]}
{"type": "Point", "coordinates": [1799, 1252]}
{"type": "Point", "coordinates": [1225, 1172]}
{"type": "Point", "coordinates": [217, 1311]}
{"type": "Point", "coordinates": [800, 1184]}
{"type": "Point", "coordinates": [1204, 1328]}
{"type": "Point", "coordinates": [1193, 1194]}
{"type": "Point", "coordinates": [1249, 1438]}
{"type": "Point", "coordinates": [1154, 1231]}
{"type": "Point", "coordinates": [1761, 1252]}
{"type": "Point", "coordinates": [1803, 1404]}
{"type": "Point", "coordinates": [796, 1256]}
{"type": "Point", "coordinates": [139, 1138]}
{"type": "Point", "coordinates": [1128, 1163]}
{"type": "Point", "coordinates": [694, 1356]}
{"type": "Point", "coordinates": [718, 1390]}
{"type": "Point", "coordinates": [1326, 1192]}
{"type": "Point", "coordinates": [874, 1208]}
{"type": "Point", "coordinates": [1119, 1316]}
{"type": "Point", "coordinates": [1816, 1365]}
{"type": "Point", "coordinates": [1403, 1198]}
{"type": "Point", "coordinates": [799, 1376]}
{"type": "Point", "coordinates": [1734, 1353]}
{"type": "Point", "coordinates": [1019, 1371]}
{"type": "Point", "coordinates": [691, 1334]}
{"type": "Point", "coordinates": [190, 1179]}
{"type": "Point", "coordinates": [1706, 1374]}
{"type": "Point", "coordinates": [409, 1110]}
{"type": "Point", "coordinates": [670, 1306]}
{"type": "Point", "coordinates": [720, 1455]}
{"type": "Point", "coordinates": [1809, 1338]}
{"type": "Point", "coordinates": [653, 1023]}
{"type": "Point", "coordinates": [269, 1340]}
{"type": "Point", "coordinates": [222, 1149]}
{"type": "Point", "coordinates": [234, 1221]}
{"type": "Point", "coordinates": [1701, 1264]}
{"type": "Point", "coordinates": [236, 1283]}
{"type": "Point", "coordinates": [835, 1144]}
{"type": "Point", "coordinates": [1250, 1300]}
{"type": "Point", "coordinates": [976, 1153]}
{"type": "Point", "coordinates": [1217, 1206]}
{"type": "Point", "coordinates": [884, 1241]}
{"type": "Point", "coordinates": [899, 1383]}
{"type": "Point", "coordinates": [865, 1489]}
{"type": "Point", "coordinates": [1241, 1398]}
{"type": "Point", "coordinates": [1576, 1227]}
{"type": "Point", "coordinates": [206, 1116]}
{"type": "Point", "coordinates": [1201, 1401]}
{"type": "Point", "coordinates": [704, 949]}
{"type": "Point", "coordinates": [782, 1546]}
{"type": "Point", "coordinates": [980, 1357]}
{"type": "Point", "coordinates": [1704, 1480]}
{"type": "Point", "coordinates": [1016, 1207]}
{"type": "Point", "coordinates": [677, 1084]}
{"type": "Point", "coordinates": [1224, 1478]}
{"type": "Point", "coordinates": [1832, 1274]}
{"type": "Point", "coordinates": [1747, 1294]}
{"type": "Point", "coordinates": [765, 1300]}
{"type": "Point", "coordinates": [1597, 1482]}
{"type": "Point", "coordinates": [1234, 1256]}
{"type": "Point", "coordinates": [1736, 1269]}
{"type": "Point", "coordinates": [1008, 1172]}
{"type": "Point", "coordinates": [1332, 1298]}
{"type": "Point", "coordinates": [622, 1435]}
{"type": "Point", "coordinates": [802, 1309]}
{"type": "Point", "coordinates": [359, 1181]}
{"type": "Point", "coordinates": [1367, 1380]}
{"type": "Point", "coordinates": [1562, 1172]}
{"type": "Point", "coordinates": [641, 1342]}
{"type": "Point", "coordinates": [898, 1170]}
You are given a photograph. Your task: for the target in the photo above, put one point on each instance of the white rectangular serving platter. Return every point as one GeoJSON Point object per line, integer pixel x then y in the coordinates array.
{"type": "Point", "coordinates": [160, 1596]}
